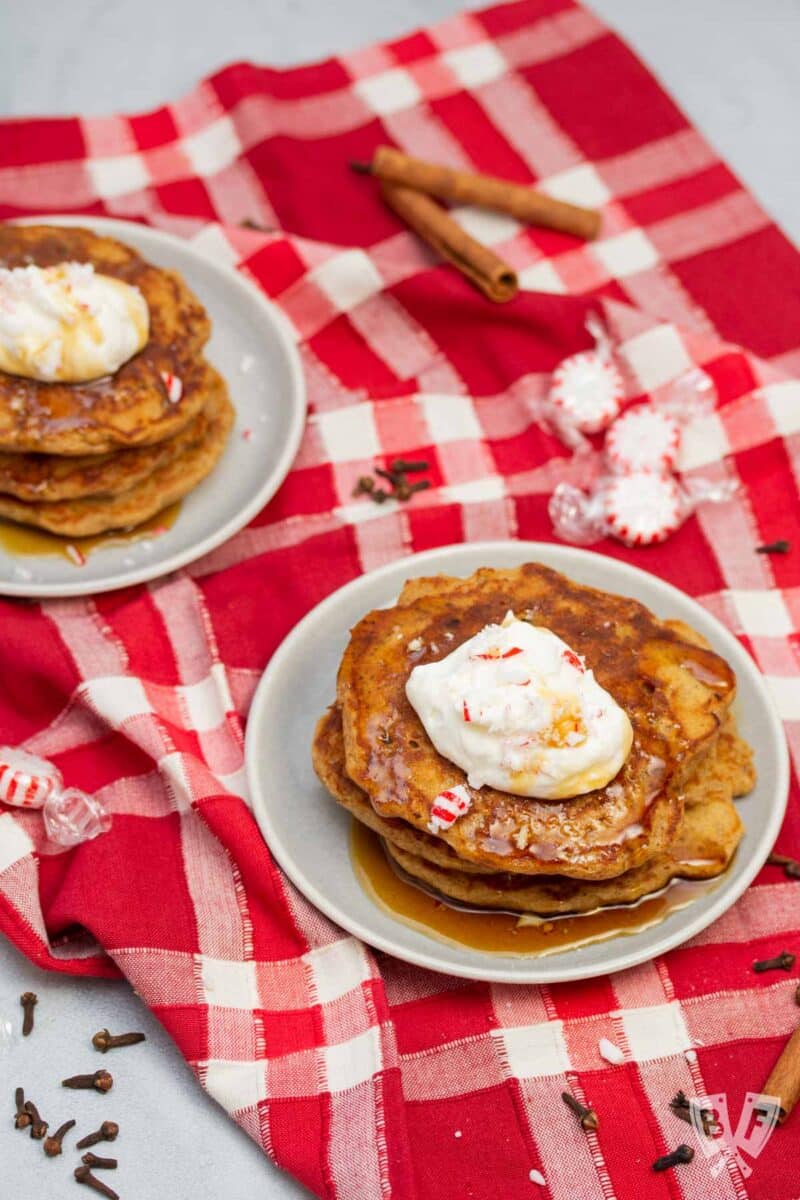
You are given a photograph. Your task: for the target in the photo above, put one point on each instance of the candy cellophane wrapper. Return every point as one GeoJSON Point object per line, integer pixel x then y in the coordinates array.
{"type": "Point", "coordinates": [582, 516]}
{"type": "Point", "coordinates": [70, 815]}
{"type": "Point", "coordinates": [689, 396]}
{"type": "Point", "coordinates": [73, 816]}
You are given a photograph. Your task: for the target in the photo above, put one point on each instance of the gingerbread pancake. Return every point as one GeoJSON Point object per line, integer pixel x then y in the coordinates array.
{"type": "Point", "coordinates": [726, 773]}
{"type": "Point", "coordinates": [195, 453]}
{"type": "Point", "coordinates": [132, 407]}
{"type": "Point", "coordinates": [675, 692]}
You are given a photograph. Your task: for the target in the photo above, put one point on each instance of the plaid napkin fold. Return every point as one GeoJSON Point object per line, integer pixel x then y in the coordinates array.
{"type": "Point", "coordinates": [362, 1076]}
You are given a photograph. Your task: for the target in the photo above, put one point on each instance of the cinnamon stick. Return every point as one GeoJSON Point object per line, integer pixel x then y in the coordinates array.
{"type": "Point", "coordinates": [487, 191]}
{"type": "Point", "coordinates": [495, 278]}
{"type": "Point", "coordinates": [784, 1079]}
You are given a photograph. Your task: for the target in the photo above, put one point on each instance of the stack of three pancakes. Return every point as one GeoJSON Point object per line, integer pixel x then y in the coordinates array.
{"type": "Point", "coordinates": [667, 814]}
{"type": "Point", "coordinates": [79, 459]}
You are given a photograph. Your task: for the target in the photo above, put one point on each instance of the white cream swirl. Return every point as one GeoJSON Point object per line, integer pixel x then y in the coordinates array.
{"type": "Point", "coordinates": [518, 710]}
{"type": "Point", "coordinates": [67, 323]}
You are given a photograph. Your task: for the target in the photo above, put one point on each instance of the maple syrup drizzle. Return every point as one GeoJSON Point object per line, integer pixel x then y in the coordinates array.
{"type": "Point", "coordinates": [26, 541]}
{"type": "Point", "coordinates": [505, 932]}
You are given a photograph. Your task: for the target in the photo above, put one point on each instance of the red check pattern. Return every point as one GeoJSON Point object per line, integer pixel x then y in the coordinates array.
{"type": "Point", "coordinates": [363, 1077]}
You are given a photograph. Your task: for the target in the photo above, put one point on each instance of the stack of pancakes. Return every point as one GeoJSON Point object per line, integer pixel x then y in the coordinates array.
{"type": "Point", "coordinates": [668, 813]}
{"type": "Point", "coordinates": [80, 459]}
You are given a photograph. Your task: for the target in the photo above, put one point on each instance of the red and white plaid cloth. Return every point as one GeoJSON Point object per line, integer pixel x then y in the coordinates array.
{"type": "Point", "coordinates": [363, 1077]}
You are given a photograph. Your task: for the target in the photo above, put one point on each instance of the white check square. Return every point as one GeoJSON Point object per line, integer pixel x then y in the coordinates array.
{"type": "Point", "coordinates": [338, 968]}
{"type": "Point", "coordinates": [783, 402]}
{"type": "Point", "coordinates": [657, 356]}
{"type": "Point", "coordinates": [229, 984]}
{"type": "Point", "coordinates": [213, 148]}
{"type": "Point", "coordinates": [388, 92]}
{"type": "Point", "coordinates": [578, 185]}
{"type": "Point", "coordinates": [116, 698]}
{"type": "Point", "coordinates": [785, 692]}
{"type": "Point", "coordinates": [762, 613]}
{"type": "Point", "coordinates": [14, 842]}
{"type": "Point", "coordinates": [703, 441]}
{"type": "Point", "coordinates": [347, 279]}
{"type": "Point", "coordinates": [541, 277]}
{"type": "Point", "coordinates": [236, 1085]}
{"type": "Point", "coordinates": [474, 65]}
{"type": "Point", "coordinates": [656, 1032]}
{"type": "Point", "coordinates": [119, 175]}
{"type": "Point", "coordinates": [349, 433]}
{"type": "Point", "coordinates": [535, 1050]}
{"type": "Point", "coordinates": [350, 1063]}
{"type": "Point", "coordinates": [626, 254]}
{"type": "Point", "coordinates": [450, 418]}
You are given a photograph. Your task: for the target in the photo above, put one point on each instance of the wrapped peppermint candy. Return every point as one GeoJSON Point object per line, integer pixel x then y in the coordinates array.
{"type": "Point", "coordinates": [639, 508]}
{"type": "Point", "coordinates": [643, 439]}
{"type": "Point", "coordinates": [586, 390]}
{"type": "Point", "coordinates": [70, 815]}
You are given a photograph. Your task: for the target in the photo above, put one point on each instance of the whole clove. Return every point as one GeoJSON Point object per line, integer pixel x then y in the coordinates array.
{"type": "Point", "coordinates": [681, 1154]}
{"type": "Point", "coordinates": [52, 1144]}
{"type": "Point", "coordinates": [364, 485]}
{"type": "Point", "coordinates": [101, 1081]}
{"type": "Point", "coordinates": [107, 1132]}
{"type": "Point", "coordinates": [84, 1175]}
{"type": "Point", "coordinates": [791, 866]}
{"type": "Point", "coordinates": [404, 466]}
{"type": "Point", "coordinates": [28, 1000]}
{"type": "Point", "coordinates": [586, 1116]}
{"type": "Point", "coordinates": [100, 1164]}
{"type": "Point", "coordinates": [781, 546]}
{"type": "Point", "coordinates": [781, 962]}
{"type": "Point", "coordinates": [105, 1041]}
{"type": "Point", "coordinates": [22, 1118]}
{"type": "Point", "coordinates": [38, 1126]}
{"type": "Point", "coordinates": [682, 1106]}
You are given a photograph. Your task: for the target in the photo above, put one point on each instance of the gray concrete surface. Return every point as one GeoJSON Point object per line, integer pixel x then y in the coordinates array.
{"type": "Point", "coordinates": [731, 64]}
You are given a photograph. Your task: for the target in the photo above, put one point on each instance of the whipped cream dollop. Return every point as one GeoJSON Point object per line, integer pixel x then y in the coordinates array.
{"type": "Point", "coordinates": [67, 323]}
{"type": "Point", "coordinates": [516, 708]}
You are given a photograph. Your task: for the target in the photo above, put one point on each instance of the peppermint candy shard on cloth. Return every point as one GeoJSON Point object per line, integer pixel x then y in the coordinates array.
{"type": "Point", "coordinates": [448, 806]}
{"type": "Point", "coordinates": [643, 439]}
{"type": "Point", "coordinates": [642, 508]}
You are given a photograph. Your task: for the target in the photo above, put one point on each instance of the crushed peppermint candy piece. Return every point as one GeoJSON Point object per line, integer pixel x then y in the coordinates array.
{"type": "Point", "coordinates": [642, 508]}
{"type": "Point", "coordinates": [643, 439]}
{"type": "Point", "coordinates": [26, 781]}
{"type": "Point", "coordinates": [173, 385]}
{"type": "Point", "coordinates": [587, 390]}
{"type": "Point", "coordinates": [448, 806]}
{"type": "Point", "coordinates": [75, 554]}
{"type": "Point", "coordinates": [610, 1052]}
{"type": "Point", "coordinates": [415, 645]}
{"type": "Point", "coordinates": [537, 1177]}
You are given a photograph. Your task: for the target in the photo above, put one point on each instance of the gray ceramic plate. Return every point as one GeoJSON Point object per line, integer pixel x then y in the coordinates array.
{"type": "Point", "coordinates": [253, 348]}
{"type": "Point", "coordinates": [309, 834]}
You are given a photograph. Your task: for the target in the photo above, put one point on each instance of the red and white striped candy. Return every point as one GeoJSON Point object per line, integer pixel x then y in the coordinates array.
{"type": "Point", "coordinates": [173, 385]}
{"type": "Point", "coordinates": [642, 508]}
{"type": "Point", "coordinates": [643, 439]}
{"type": "Point", "coordinates": [25, 780]}
{"type": "Point", "coordinates": [587, 390]}
{"type": "Point", "coordinates": [448, 807]}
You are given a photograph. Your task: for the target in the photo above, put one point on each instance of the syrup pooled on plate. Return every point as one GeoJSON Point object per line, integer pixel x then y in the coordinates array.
{"type": "Point", "coordinates": [27, 541]}
{"type": "Point", "coordinates": [506, 932]}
